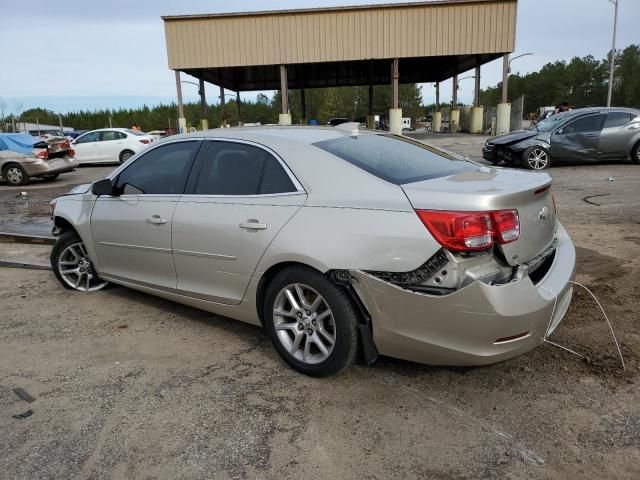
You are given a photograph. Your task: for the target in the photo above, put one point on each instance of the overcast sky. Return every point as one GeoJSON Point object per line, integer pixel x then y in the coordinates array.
{"type": "Point", "coordinates": [113, 52]}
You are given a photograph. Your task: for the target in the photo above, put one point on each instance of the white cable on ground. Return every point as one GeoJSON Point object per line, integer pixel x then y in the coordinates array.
{"type": "Point", "coordinates": [607, 319]}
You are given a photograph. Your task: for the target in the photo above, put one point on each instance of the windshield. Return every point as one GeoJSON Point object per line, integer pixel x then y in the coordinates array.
{"type": "Point", "coordinates": [394, 159]}
{"type": "Point", "coordinates": [549, 123]}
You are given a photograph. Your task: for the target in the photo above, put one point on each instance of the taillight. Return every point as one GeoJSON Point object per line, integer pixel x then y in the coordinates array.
{"type": "Point", "coordinates": [507, 225]}
{"type": "Point", "coordinates": [459, 231]}
{"type": "Point", "coordinates": [44, 154]}
{"type": "Point", "coordinates": [144, 140]}
{"type": "Point", "coordinates": [471, 231]}
{"type": "Point", "coordinates": [71, 152]}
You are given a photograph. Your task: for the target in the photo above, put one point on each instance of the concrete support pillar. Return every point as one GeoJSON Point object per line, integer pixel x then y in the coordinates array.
{"type": "Point", "coordinates": [223, 107]}
{"type": "Point", "coordinates": [503, 121]}
{"type": "Point", "coordinates": [303, 108]}
{"type": "Point", "coordinates": [371, 122]}
{"type": "Point", "coordinates": [437, 96]}
{"type": "Point", "coordinates": [454, 120]}
{"type": "Point", "coordinates": [395, 121]}
{"type": "Point", "coordinates": [454, 93]}
{"type": "Point", "coordinates": [285, 116]}
{"type": "Point", "coordinates": [475, 122]}
{"type": "Point", "coordinates": [505, 78]}
{"type": "Point", "coordinates": [240, 122]}
{"type": "Point", "coordinates": [476, 97]}
{"type": "Point", "coordinates": [182, 122]}
{"type": "Point", "coordinates": [395, 113]}
{"type": "Point", "coordinates": [203, 107]}
{"type": "Point", "coordinates": [437, 122]}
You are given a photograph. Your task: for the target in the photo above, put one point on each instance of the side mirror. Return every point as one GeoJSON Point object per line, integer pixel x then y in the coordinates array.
{"type": "Point", "coordinates": [103, 187]}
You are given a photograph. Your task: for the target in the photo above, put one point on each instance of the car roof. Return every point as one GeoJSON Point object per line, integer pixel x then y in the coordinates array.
{"type": "Point", "coordinates": [586, 110]}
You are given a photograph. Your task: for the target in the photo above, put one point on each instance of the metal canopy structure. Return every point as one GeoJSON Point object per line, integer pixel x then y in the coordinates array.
{"type": "Point", "coordinates": [345, 46]}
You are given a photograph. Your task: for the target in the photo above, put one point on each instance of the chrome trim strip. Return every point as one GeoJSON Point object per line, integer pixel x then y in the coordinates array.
{"type": "Point", "coordinates": [217, 256]}
{"type": "Point", "coordinates": [136, 247]}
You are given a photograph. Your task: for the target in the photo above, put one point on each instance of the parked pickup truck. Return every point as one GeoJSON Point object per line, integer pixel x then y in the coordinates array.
{"type": "Point", "coordinates": [23, 157]}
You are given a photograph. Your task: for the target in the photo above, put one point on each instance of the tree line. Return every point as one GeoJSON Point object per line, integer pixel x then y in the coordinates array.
{"type": "Point", "coordinates": [581, 82]}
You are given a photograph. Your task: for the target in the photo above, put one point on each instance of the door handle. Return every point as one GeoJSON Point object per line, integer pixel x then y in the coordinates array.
{"type": "Point", "coordinates": [156, 220]}
{"type": "Point", "coordinates": [253, 224]}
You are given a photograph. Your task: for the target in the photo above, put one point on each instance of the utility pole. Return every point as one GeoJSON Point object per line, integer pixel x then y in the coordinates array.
{"type": "Point", "coordinates": [613, 51]}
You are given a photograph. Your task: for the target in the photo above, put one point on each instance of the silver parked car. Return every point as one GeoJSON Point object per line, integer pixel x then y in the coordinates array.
{"type": "Point", "coordinates": [585, 134]}
{"type": "Point", "coordinates": [335, 240]}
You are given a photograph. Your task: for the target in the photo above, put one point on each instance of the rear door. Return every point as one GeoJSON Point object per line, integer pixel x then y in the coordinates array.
{"type": "Point", "coordinates": [132, 232]}
{"type": "Point", "coordinates": [615, 136]}
{"type": "Point", "coordinates": [579, 139]}
{"type": "Point", "coordinates": [236, 202]}
{"type": "Point", "coordinates": [111, 144]}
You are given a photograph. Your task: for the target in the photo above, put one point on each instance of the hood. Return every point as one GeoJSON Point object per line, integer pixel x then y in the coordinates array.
{"type": "Point", "coordinates": [512, 137]}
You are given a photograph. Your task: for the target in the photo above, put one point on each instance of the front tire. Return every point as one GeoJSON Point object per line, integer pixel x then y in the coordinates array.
{"type": "Point", "coordinates": [635, 153]}
{"type": "Point", "coordinates": [312, 322]}
{"type": "Point", "coordinates": [125, 155]}
{"type": "Point", "coordinates": [72, 266]}
{"type": "Point", "coordinates": [536, 158]}
{"type": "Point", "coordinates": [15, 175]}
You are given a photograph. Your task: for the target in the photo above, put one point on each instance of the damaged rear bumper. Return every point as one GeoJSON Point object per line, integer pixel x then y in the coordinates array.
{"type": "Point", "coordinates": [476, 325]}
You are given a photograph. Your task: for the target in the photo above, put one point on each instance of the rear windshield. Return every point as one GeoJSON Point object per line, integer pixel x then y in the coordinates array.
{"type": "Point", "coordinates": [394, 159]}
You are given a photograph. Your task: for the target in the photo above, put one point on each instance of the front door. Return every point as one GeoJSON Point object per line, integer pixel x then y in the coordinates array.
{"type": "Point", "coordinates": [578, 139]}
{"type": "Point", "coordinates": [87, 147]}
{"type": "Point", "coordinates": [234, 206]}
{"type": "Point", "coordinates": [132, 231]}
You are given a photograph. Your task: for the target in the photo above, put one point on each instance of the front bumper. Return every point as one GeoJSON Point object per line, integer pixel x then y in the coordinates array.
{"type": "Point", "coordinates": [45, 167]}
{"type": "Point", "coordinates": [463, 328]}
{"type": "Point", "coordinates": [490, 153]}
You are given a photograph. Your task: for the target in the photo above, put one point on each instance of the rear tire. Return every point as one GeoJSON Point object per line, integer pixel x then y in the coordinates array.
{"type": "Point", "coordinates": [536, 158]}
{"type": "Point", "coordinates": [312, 322]}
{"type": "Point", "coordinates": [635, 154]}
{"type": "Point", "coordinates": [125, 155]}
{"type": "Point", "coordinates": [15, 175]}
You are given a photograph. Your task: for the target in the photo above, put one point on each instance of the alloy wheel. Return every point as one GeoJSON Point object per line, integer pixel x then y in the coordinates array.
{"type": "Point", "coordinates": [76, 269]}
{"type": "Point", "coordinates": [126, 156]}
{"type": "Point", "coordinates": [14, 175]}
{"type": "Point", "coordinates": [304, 323]}
{"type": "Point", "coordinates": [538, 159]}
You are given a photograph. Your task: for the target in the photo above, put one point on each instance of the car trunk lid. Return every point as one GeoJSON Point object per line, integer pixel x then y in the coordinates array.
{"type": "Point", "coordinates": [488, 189]}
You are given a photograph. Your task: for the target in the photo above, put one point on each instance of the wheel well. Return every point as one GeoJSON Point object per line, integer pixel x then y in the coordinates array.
{"type": "Point", "coordinates": [9, 164]}
{"type": "Point", "coordinates": [61, 225]}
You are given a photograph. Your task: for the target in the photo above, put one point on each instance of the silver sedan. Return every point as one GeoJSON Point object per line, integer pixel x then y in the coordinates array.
{"type": "Point", "coordinates": [337, 241]}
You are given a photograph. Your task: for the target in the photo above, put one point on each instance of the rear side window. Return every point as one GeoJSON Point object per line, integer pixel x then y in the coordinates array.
{"type": "Point", "coordinates": [394, 159]}
{"type": "Point", "coordinates": [161, 171]}
{"type": "Point", "coordinates": [238, 169]}
{"type": "Point", "coordinates": [617, 119]}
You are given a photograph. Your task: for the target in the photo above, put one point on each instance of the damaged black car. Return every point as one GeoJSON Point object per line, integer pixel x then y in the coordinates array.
{"type": "Point", "coordinates": [586, 134]}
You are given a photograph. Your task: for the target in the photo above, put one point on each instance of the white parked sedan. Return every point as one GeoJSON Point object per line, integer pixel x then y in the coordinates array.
{"type": "Point", "coordinates": [110, 145]}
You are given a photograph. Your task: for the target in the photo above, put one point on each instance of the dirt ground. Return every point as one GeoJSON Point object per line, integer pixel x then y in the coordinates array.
{"type": "Point", "coordinates": [132, 386]}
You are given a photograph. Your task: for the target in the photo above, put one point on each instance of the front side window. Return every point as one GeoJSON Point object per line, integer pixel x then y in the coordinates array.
{"type": "Point", "coordinates": [617, 119]}
{"type": "Point", "coordinates": [161, 171]}
{"type": "Point", "coordinates": [89, 137]}
{"type": "Point", "coordinates": [240, 169]}
{"type": "Point", "coordinates": [394, 159]}
{"type": "Point", "coordinates": [590, 123]}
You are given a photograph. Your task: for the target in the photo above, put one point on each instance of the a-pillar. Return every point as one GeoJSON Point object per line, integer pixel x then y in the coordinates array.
{"type": "Point", "coordinates": [182, 122]}
{"type": "Point", "coordinates": [475, 122]}
{"type": "Point", "coordinates": [223, 107]}
{"type": "Point", "coordinates": [285, 116]}
{"type": "Point", "coordinates": [203, 107]}
{"type": "Point", "coordinates": [395, 113]}
{"type": "Point", "coordinates": [436, 124]}
{"type": "Point", "coordinates": [371, 118]}
{"type": "Point", "coordinates": [503, 119]}
{"type": "Point", "coordinates": [454, 116]}
{"type": "Point", "coordinates": [303, 108]}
